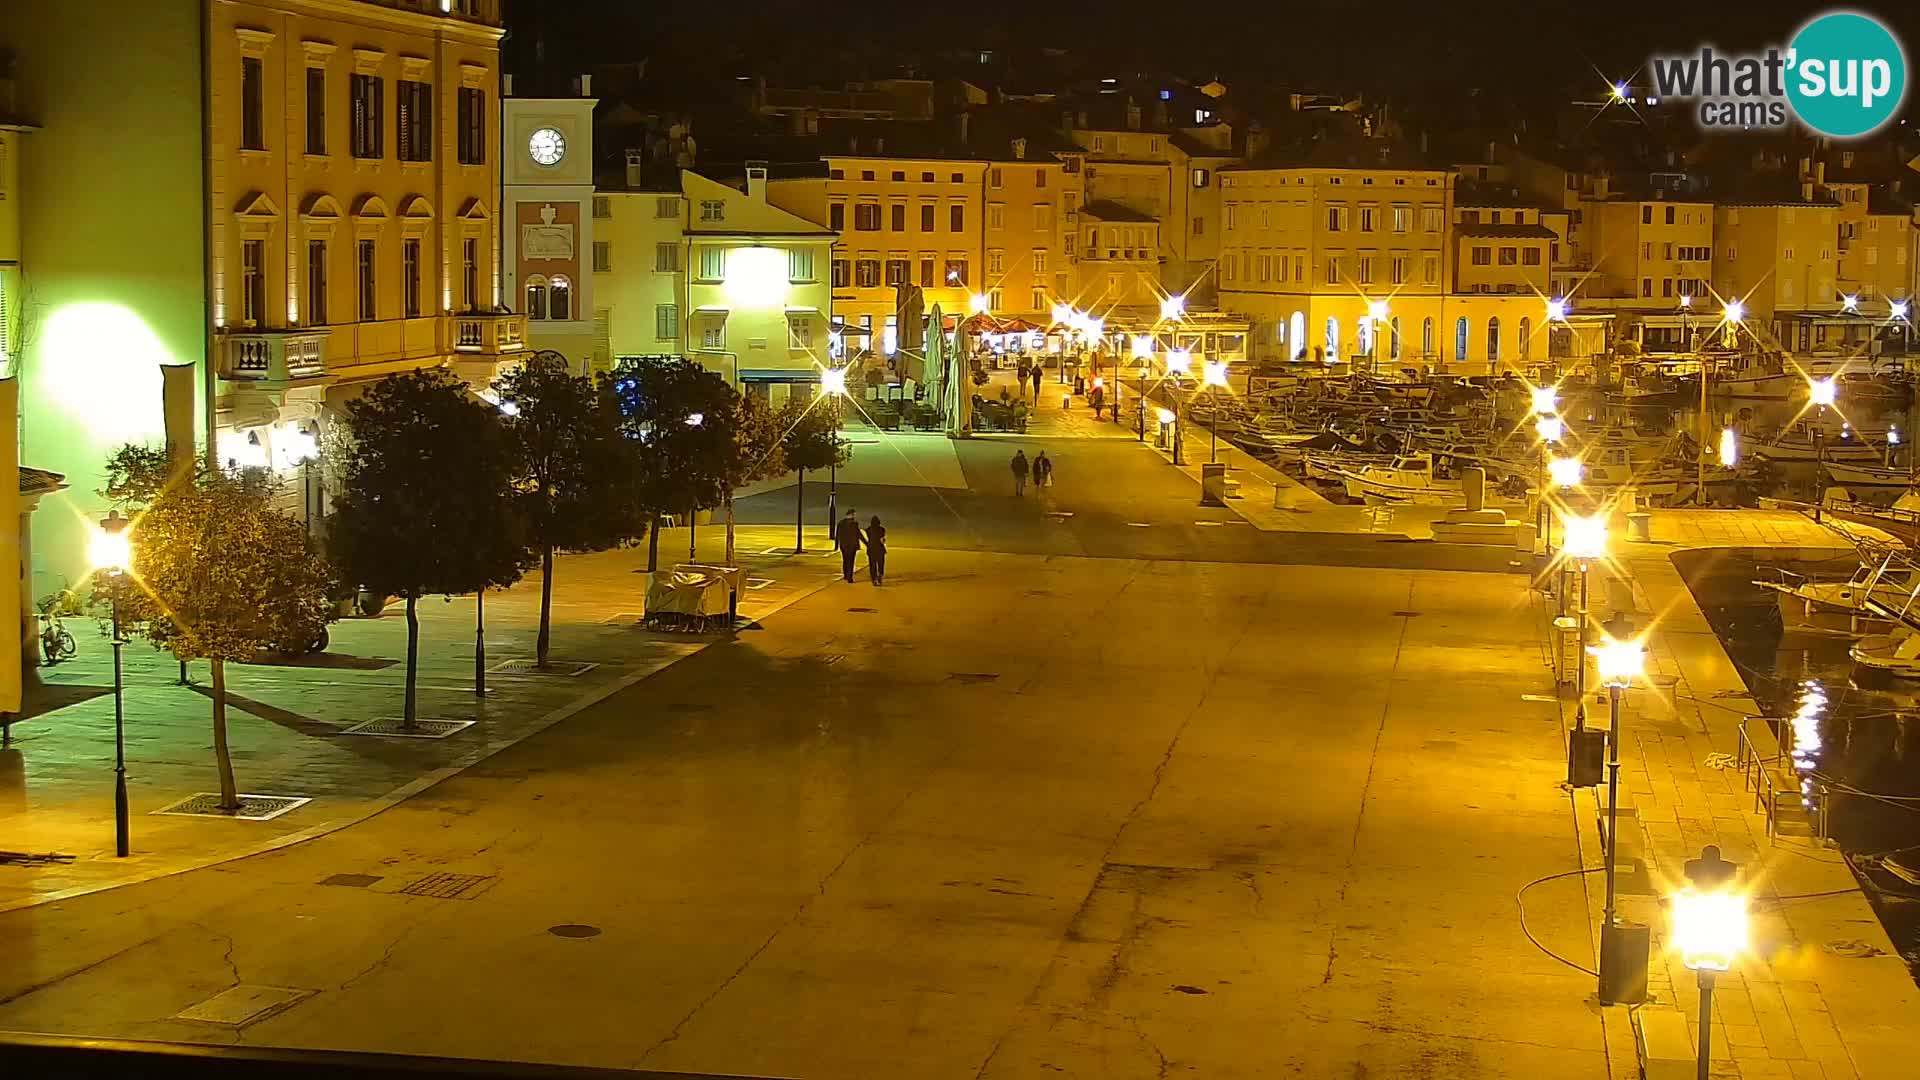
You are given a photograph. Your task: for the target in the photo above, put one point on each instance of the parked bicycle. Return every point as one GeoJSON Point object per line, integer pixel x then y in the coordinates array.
{"type": "Point", "coordinates": [56, 641]}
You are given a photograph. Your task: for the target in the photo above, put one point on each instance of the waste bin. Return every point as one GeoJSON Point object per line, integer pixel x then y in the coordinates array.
{"type": "Point", "coordinates": [1640, 527]}
{"type": "Point", "coordinates": [1566, 650]}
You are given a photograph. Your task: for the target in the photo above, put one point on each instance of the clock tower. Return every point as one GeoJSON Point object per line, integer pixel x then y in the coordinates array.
{"type": "Point", "coordinates": [546, 175]}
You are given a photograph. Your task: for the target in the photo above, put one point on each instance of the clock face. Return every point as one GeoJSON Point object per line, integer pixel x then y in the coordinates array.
{"type": "Point", "coordinates": [547, 146]}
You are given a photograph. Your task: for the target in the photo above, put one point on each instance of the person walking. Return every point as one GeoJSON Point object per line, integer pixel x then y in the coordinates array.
{"type": "Point", "coordinates": [1036, 384]}
{"type": "Point", "coordinates": [1097, 398]}
{"type": "Point", "coordinates": [876, 551]}
{"type": "Point", "coordinates": [1043, 470]}
{"type": "Point", "coordinates": [846, 537]}
{"type": "Point", "coordinates": [1021, 375]}
{"type": "Point", "coordinates": [1020, 470]}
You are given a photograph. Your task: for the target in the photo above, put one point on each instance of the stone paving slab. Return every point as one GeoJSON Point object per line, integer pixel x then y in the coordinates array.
{"type": "Point", "coordinates": [287, 722]}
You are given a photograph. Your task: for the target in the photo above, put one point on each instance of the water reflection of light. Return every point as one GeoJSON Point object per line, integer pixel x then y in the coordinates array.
{"type": "Point", "coordinates": [1806, 736]}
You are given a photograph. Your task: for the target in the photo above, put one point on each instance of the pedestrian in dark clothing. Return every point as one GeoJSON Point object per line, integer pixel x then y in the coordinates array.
{"type": "Point", "coordinates": [876, 551]}
{"type": "Point", "coordinates": [1036, 384]}
{"type": "Point", "coordinates": [846, 537]}
{"type": "Point", "coordinates": [1021, 375]}
{"type": "Point", "coordinates": [1005, 397]}
{"type": "Point", "coordinates": [1097, 397]}
{"type": "Point", "coordinates": [1043, 470]}
{"type": "Point", "coordinates": [1020, 470]}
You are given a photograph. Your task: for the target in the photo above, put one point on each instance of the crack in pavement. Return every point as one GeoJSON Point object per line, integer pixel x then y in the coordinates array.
{"type": "Point", "coordinates": [1373, 761]}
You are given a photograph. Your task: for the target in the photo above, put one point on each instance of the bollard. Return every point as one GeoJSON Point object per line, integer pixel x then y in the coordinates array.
{"type": "Point", "coordinates": [1473, 481]}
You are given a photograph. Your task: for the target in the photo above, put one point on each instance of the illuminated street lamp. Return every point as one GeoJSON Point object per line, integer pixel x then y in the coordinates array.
{"type": "Point", "coordinates": [1709, 930]}
{"type": "Point", "coordinates": [1729, 448]}
{"type": "Point", "coordinates": [1557, 309]}
{"type": "Point", "coordinates": [833, 384]}
{"type": "Point", "coordinates": [1822, 392]}
{"type": "Point", "coordinates": [111, 550]}
{"type": "Point", "coordinates": [1062, 314]}
{"type": "Point", "coordinates": [1850, 302]}
{"type": "Point", "coordinates": [978, 303]}
{"type": "Point", "coordinates": [1620, 663]}
{"type": "Point", "coordinates": [1179, 362]}
{"type": "Point", "coordinates": [1214, 375]}
{"type": "Point", "coordinates": [1584, 539]}
{"type": "Point", "coordinates": [1565, 472]}
{"type": "Point", "coordinates": [1546, 400]}
{"type": "Point", "coordinates": [1551, 429]}
{"type": "Point", "coordinates": [1173, 307]}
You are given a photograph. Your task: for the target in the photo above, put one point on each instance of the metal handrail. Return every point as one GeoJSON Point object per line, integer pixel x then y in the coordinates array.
{"type": "Point", "coordinates": [28, 1054]}
{"type": "Point", "coordinates": [1756, 776]}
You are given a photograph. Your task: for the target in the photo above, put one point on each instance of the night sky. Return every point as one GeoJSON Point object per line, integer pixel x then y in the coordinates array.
{"type": "Point", "coordinates": [1403, 50]}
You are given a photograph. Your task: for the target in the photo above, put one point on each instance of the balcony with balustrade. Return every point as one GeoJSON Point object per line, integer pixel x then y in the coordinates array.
{"type": "Point", "coordinates": [273, 357]}
{"type": "Point", "coordinates": [489, 333]}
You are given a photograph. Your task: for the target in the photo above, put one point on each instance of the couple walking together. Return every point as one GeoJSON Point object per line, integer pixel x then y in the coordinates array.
{"type": "Point", "coordinates": [848, 538]}
{"type": "Point", "coordinates": [1040, 469]}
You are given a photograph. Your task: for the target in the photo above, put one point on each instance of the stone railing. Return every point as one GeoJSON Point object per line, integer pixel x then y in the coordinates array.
{"type": "Point", "coordinates": [273, 355]}
{"type": "Point", "coordinates": [489, 333]}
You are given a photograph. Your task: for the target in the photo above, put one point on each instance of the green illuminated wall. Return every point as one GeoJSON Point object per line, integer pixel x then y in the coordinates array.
{"type": "Point", "coordinates": [112, 238]}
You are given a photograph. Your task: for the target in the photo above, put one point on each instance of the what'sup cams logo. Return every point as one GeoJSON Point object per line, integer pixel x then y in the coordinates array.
{"type": "Point", "coordinates": [1844, 75]}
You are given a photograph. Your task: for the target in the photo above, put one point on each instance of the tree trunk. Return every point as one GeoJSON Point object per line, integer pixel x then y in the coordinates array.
{"type": "Point", "coordinates": [728, 561]}
{"type": "Point", "coordinates": [222, 757]}
{"type": "Point", "coordinates": [413, 661]}
{"type": "Point", "coordinates": [800, 513]}
{"type": "Point", "coordinates": [653, 544]}
{"type": "Point", "coordinates": [541, 642]}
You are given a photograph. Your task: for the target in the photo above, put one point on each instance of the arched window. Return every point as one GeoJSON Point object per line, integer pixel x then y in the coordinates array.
{"type": "Point", "coordinates": [536, 297]}
{"type": "Point", "coordinates": [560, 298]}
{"type": "Point", "coordinates": [1297, 333]}
{"type": "Point", "coordinates": [1493, 340]}
{"type": "Point", "coordinates": [1363, 334]}
{"type": "Point", "coordinates": [1460, 340]}
{"type": "Point", "coordinates": [1426, 336]}
{"type": "Point", "coordinates": [1393, 343]}
{"type": "Point", "coordinates": [1280, 334]}
{"type": "Point", "coordinates": [1526, 339]}
{"type": "Point", "coordinates": [1333, 339]}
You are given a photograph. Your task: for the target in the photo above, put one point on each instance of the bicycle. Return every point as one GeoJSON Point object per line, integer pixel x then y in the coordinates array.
{"type": "Point", "coordinates": [56, 642]}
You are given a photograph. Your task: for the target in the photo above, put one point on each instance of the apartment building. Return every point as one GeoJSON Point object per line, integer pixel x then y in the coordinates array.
{"type": "Point", "coordinates": [719, 274]}
{"type": "Point", "coordinates": [338, 226]}
{"type": "Point", "coordinates": [902, 220]}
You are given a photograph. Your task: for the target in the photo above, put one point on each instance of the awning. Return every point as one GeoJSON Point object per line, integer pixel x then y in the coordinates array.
{"type": "Point", "coordinates": [780, 375]}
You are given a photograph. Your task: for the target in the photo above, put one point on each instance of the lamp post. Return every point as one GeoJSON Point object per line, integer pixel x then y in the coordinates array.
{"type": "Point", "coordinates": [1215, 374]}
{"type": "Point", "coordinates": [1377, 322]}
{"type": "Point", "coordinates": [1620, 662]}
{"type": "Point", "coordinates": [1179, 363]}
{"type": "Point", "coordinates": [1709, 929]}
{"type": "Point", "coordinates": [1583, 539]}
{"type": "Point", "coordinates": [833, 384]}
{"type": "Point", "coordinates": [694, 420]}
{"type": "Point", "coordinates": [112, 550]}
{"type": "Point", "coordinates": [1547, 425]}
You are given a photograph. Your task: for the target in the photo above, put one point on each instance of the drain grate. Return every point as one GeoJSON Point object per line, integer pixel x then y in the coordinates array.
{"type": "Point", "coordinates": [973, 676]}
{"type": "Point", "coordinates": [241, 1005]}
{"type": "Point", "coordinates": [861, 610]}
{"type": "Point", "coordinates": [446, 886]}
{"type": "Point", "coordinates": [351, 881]}
{"type": "Point", "coordinates": [252, 807]}
{"type": "Point", "coordinates": [395, 727]}
{"type": "Point", "coordinates": [1406, 614]}
{"type": "Point", "coordinates": [574, 930]}
{"type": "Point", "coordinates": [563, 668]}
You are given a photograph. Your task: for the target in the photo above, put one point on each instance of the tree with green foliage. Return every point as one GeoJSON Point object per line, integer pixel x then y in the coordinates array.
{"type": "Point", "coordinates": [755, 454]}
{"type": "Point", "coordinates": [216, 572]}
{"type": "Point", "coordinates": [810, 439]}
{"type": "Point", "coordinates": [428, 505]}
{"type": "Point", "coordinates": [678, 418]}
{"type": "Point", "coordinates": [574, 467]}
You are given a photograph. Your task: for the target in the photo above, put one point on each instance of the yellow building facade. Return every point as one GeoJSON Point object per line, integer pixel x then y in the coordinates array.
{"type": "Point", "coordinates": [353, 179]}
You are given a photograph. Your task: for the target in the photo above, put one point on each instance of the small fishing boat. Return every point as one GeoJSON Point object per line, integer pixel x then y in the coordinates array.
{"type": "Point", "coordinates": [1850, 475]}
{"type": "Point", "coordinates": [1408, 478]}
{"type": "Point", "coordinates": [1878, 658]}
{"type": "Point", "coordinates": [1806, 441]}
{"type": "Point", "coordinates": [1839, 608]}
